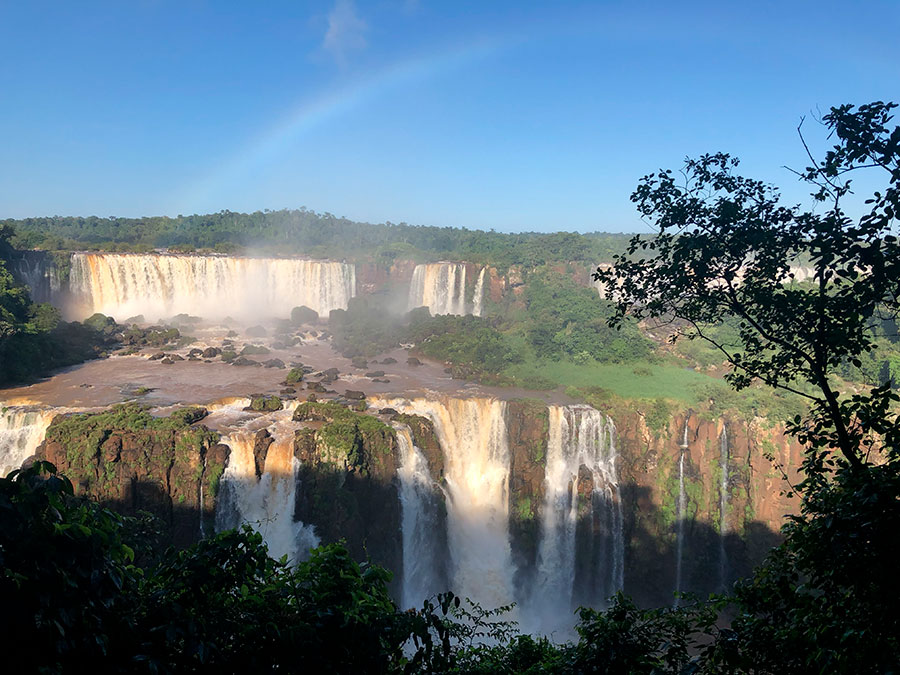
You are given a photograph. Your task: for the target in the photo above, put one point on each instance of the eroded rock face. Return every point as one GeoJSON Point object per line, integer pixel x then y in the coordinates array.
{"type": "Point", "coordinates": [348, 472]}
{"type": "Point", "coordinates": [527, 426]}
{"type": "Point", "coordinates": [349, 487]}
{"type": "Point", "coordinates": [132, 462]}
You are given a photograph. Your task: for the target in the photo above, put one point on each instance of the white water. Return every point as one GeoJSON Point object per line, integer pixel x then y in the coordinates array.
{"type": "Point", "coordinates": [213, 287]}
{"type": "Point", "coordinates": [579, 437]}
{"type": "Point", "coordinates": [723, 507]}
{"type": "Point", "coordinates": [682, 505]}
{"type": "Point", "coordinates": [478, 298]}
{"type": "Point", "coordinates": [418, 502]}
{"type": "Point", "coordinates": [267, 503]}
{"type": "Point", "coordinates": [472, 435]}
{"type": "Point", "coordinates": [441, 287]}
{"type": "Point", "coordinates": [21, 432]}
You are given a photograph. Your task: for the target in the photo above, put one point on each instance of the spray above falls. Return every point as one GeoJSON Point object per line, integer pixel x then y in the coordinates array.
{"type": "Point", "coordinates": [162, 285]}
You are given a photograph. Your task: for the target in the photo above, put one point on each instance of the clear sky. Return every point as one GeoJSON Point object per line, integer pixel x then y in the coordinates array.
{"type": "Point", "coordinates": [508, 115]}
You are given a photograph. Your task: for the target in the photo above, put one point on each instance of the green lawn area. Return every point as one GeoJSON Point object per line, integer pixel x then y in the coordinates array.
{"type": "Point", "coordinates": [628, 380]}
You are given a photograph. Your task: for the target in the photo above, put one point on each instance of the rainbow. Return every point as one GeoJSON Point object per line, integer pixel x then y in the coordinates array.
{"type": "Point", "coordinates": [313, 113]}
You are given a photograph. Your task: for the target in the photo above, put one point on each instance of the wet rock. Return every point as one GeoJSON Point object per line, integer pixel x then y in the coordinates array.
{"type": "Point", "coordinates": [250, 350]}
{"type": "Point", "coordinates": [264, 403]}
{"type": "Point", "coordinates": [195, 352]}
{"type": "Point", "coordinates": [413, 361]}
{"type": "Point", "coordinates": [167, 361]}
{"type": "Point", "coordinates": [244, 361]}
{"type": "Point", "coordinates": [353, 395]}
{"type": "Point", "coordinates": [375, 373]}
{"type": "Point", "coordinates": [210, 352]}
{"type": "Point", "coordinates": [287, 391]}
{"type": "Point", "coordinates": [359, 362]}
{"type": "Point", "coordinates": [315, 386]}
{"type": "Point", "coordinates": [312, 398]}
{"type": "Point", "coordinates": [304, 314]}
{"type": "Point", "coordinates": [261, 443]}
{"type": "Point", "coordinates": [381, 380]}
{"type": "Point", "coordinates": [274, 363]}
{"type": "Point", "coordinates": [277, 344]}
{"type": "Point", "coordinates": [388, 361]}
{"type": "Point", "coordinates": [388, 411]}
{"type": "Point", "coordinates": [157, 356]}
{"type": "Point", "coordinates": [256, 331]}
{"type": "Point", "coordinates": [176, 357]}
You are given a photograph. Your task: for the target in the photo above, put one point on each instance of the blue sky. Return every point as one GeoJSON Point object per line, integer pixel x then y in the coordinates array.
{"type": "Point", "coordinates": [506, 115]}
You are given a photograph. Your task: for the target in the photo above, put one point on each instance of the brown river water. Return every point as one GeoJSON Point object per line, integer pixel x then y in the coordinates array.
{"type": "Point", "coordinates": [103, 382]}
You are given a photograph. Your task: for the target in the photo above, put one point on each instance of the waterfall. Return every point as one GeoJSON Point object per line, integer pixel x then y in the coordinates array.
{"type": "Point", "coordinates": [21, 432]}
{"type": "Point", "coordinates": [682, 505]}
{"type": "Point", "coordinates": [267, 503]}
{"type": "Point", "coordinates": [473, 438]}
{"type": "Point", "coordinates": [421, 503]}
{"type": "Point", "coordinates": [157, 286]}
{"type": "Point", "coordinates": [439, 286]}
{"type": "Point", "coordinates": [723, 508]}
{"type": "Point", "coordinates": [478, 299]}
{"type": "Point", "coordinates": [581, 442]}
{"type": "Point", "coordinates": [35, 270]}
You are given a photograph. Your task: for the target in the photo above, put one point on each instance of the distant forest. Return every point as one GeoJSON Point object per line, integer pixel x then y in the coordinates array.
{"type": "Point", "coordinates": [301, 231]}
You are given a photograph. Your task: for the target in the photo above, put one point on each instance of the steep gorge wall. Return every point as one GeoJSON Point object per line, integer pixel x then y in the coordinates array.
{"type": "Point", "coordinates": [131, 462]}
{"type": "Point", "coordinates": [349, 478]}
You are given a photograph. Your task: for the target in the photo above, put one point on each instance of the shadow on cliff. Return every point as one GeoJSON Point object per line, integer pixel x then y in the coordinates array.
{"type": "Point", "coordinates": [710, 563]}
{"type": "Point", "coordinates": [170, 524]}
{"type": "Point", "coordinates": [366, 515]}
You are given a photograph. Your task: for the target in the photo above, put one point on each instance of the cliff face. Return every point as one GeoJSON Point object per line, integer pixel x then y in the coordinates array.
{"type": "Point", "coordinates": [133, 462]}
{"type": "Point", "coordinates": [729, 466]}
{"type": "Point", "coordinates": [702, 499]}
{"type": "Point", "coordinates": [348, 487]}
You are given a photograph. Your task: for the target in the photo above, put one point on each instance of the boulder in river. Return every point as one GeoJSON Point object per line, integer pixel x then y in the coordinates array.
{"type": "Point", "coordinates": [244, 361]}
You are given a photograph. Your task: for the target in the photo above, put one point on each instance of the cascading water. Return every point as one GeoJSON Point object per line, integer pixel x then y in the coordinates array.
{"type": "Point", "coordinates": [723, 508]}
{"type": "Point", "coordinates": [212, 287]}
{"type": "Point", "coordinates": [36, 270]}
{"type": "Point", "coordinates": [424, 556]}
{"type": "Point", "coordinates": [580, 439]}
{"type": "Point", "coordinates": [21, 432]}
{"type": "Point", "coordinates": [472, 434]}
{"type": "Point", "coordinates": [441, 287]}
{"type": "Point", "coordinates": [682, 507]}
{"type": "Point", "coordinates": [267, 502]}
{"type": "Point", "coordinates": [478, 298]}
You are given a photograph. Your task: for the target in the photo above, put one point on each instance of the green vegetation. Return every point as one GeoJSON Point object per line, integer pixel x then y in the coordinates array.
{"type": "Point", "coordinates": [566, 320]}
{"type": "Point", "coordinates": [366, 328]}
{"type": "Point", "coordinates": [265, 403]}
{"type": "Point", "coordinates": [357, 440]}
{"type": "Point", "coordinates": [309, 233]}
{"type": "Point", "coordinates": [823, 600]}
{"type": "Point", "coordinates": [33, 340]}
{"type": "Point", "coordinates": [294, 376]}
{"type": "Point", "coordinates": [473, 345]}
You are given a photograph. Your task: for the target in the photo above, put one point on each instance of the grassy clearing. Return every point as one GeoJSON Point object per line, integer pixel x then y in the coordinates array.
{"type": "Point", "coordinates": [635, 380]}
